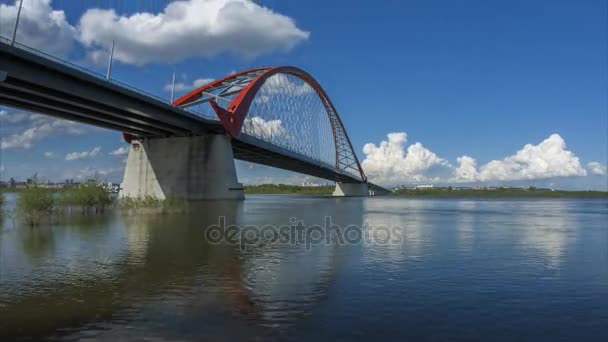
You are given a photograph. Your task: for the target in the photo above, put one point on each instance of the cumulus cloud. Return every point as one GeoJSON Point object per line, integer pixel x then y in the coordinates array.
{"type": "Point", "coordinates": [597, 168]}
{"type": "Point", "coordinates": [14, 116]}
{"type": "Point", "coordinates": [284, 84]}
{"type": "Point", "coordinates": [548, 159]}
{"type": "Point", "coordinates": [180, 86]}
{"type": "Point", "coordinates": [40, 26]}
{"type": "Point", "coordinates": [391, 163]}
{"type": "Point", "coordinates": [38, 128]}
{"type": "Point", "coordinates": [189, 28]}
{"type": "Point", "coordinates": [466, 170]}
{"type": "Point", "coordinates": [259, 127]}
{"type": "Point", "coordinates": [121, 151]}
{"type": "Point", "coordinates": [81, 155]}
{"type": "Point", "coordinates": [49, 155]}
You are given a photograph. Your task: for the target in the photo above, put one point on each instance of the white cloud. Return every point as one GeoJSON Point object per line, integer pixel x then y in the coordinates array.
{"type": "Point", "coordinates": [390, 163]}
{"type": "Point", "coordinates": [259, 127]}
{"type": "Point", "coordinates": [49, 155]}
{"type": "Point", "coordinates": [13, 116]}
{"type": "Point", "coordinates": [40, 26]}
{"type": "Point", "coordinates": [40, 127]}
{"type": "Point", "coordinates": [120, 151]}
{"type": "Point", "coordinates": [597, 168]}
{"type": "Point", "coordinates": [187, 29]}
{"type": "Point", "coordinates": [81, 155]}
{"type": "Point", "coordinates": [466, 170]}
{"type": "Point", "coordinates": [180, 86]}
{"type": "Point", "coordinates": [284, 84]}
{"type": "Point", "coordinates": [548, 159]}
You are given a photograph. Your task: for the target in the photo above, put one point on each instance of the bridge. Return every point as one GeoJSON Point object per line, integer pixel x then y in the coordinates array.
{"type": "Point", "coordinates": [275, 116]}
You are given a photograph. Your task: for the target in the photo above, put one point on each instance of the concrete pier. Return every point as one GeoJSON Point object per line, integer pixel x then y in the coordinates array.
{"type": "Point", "coordinates": [351, 189]}
{"type": "Point", "coordinates": [189, 168]}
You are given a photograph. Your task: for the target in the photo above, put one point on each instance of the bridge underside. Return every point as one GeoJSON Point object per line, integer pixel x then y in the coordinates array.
{"type": "Point", "coordinates": [250, 149]}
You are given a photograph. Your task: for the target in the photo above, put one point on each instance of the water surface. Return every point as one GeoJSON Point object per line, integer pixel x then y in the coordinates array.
{"type": "Point", "coordinates": [463, 269]}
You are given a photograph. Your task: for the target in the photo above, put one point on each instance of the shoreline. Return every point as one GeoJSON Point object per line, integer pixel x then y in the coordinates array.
{"type": "Point", "coordinates": [283, 189]}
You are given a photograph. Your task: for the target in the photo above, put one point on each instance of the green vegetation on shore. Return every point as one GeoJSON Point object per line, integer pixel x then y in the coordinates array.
{"type": "Point", "coordinates": [274, 189]}
{"type": "Point", "coordinates": [88, 197]}
{"type": "Point", "coordinates": [284, 189]}
{"type": "Point", "coordinates": [35, 205]}
{"type": "Point", "coordinates": [497, 192]}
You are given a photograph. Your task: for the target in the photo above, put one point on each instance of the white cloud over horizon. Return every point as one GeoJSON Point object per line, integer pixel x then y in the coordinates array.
{"type": "Point", "coordinates": [550, 158]}
{"type": "Point", "coordinates": [81, 155]}
{"type": "Point", "coordinates": [392, 163]}
{"type": "Point", "coordinates": [597, 168]}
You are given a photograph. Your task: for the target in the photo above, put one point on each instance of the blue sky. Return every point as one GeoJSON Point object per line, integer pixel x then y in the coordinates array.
{"type": "Point", "coordinates": [480, 79]}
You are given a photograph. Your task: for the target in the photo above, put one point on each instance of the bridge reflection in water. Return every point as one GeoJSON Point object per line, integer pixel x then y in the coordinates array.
{"type": "Point", "coordinates": [119, 275]}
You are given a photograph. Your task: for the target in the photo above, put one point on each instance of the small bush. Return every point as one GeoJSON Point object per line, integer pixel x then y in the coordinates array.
{"type": "Point", "coordinates": [35, 204]}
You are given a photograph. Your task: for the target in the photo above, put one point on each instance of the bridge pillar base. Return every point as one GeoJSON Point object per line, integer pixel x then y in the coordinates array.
{"type": "Point", "coordinates": [351, 189]}
{"type": "Point", "coordinates": [188, 168]}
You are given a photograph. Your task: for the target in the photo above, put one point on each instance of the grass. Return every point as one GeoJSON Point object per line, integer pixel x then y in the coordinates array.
{"type": "Point", "coordinates": [288, 189]}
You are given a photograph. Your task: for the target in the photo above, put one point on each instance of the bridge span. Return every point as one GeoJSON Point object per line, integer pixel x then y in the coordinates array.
{"type": "Point", "coordinates": [275, 116]}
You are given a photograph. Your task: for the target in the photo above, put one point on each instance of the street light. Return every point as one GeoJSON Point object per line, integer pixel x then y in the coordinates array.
{"type": "Point", "coordinates": [16, 23]}
{"type": "Point", "coordinates": [110, 61]}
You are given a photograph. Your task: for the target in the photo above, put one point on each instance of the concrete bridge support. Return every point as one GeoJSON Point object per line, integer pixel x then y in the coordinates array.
{"type": "Point", "coordinates": [189, 168]}
{"type": "Point", "coordinates": [351, 189]}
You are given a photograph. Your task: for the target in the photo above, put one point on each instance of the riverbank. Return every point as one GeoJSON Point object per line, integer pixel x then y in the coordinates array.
{"type": "Point", "coordinates": [284, 189]}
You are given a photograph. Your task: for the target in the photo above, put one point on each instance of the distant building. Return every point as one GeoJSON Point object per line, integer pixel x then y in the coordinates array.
{"type": "Point", "coordinates": [311, 184]}
{"type": "Point", "coordinates": [425, 186]}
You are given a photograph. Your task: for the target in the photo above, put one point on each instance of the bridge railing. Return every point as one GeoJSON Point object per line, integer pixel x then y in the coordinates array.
{"type": "Point", "coordinates": [93, 73]}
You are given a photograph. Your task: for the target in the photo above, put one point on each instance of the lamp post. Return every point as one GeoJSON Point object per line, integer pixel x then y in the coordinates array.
{"type": "Point", "coordinates": [173, 87]}
{"type": "Point", "coordinates": [110, 61]}
{"type": "Point", "coordinates": [16, 23]}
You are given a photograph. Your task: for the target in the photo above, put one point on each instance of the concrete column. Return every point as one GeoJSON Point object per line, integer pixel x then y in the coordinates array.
{"type": "Point", "coordinates": [189, 168]}
{"type": "Point", "coordinates": [351, 189]}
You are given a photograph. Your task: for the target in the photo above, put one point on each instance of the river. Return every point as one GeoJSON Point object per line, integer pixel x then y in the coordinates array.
{"type": "Point", "coordinates": [393, 269]}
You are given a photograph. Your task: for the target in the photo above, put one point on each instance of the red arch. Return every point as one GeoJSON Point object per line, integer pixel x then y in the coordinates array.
{"type": "Point", "coordinates": [233, 117]}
